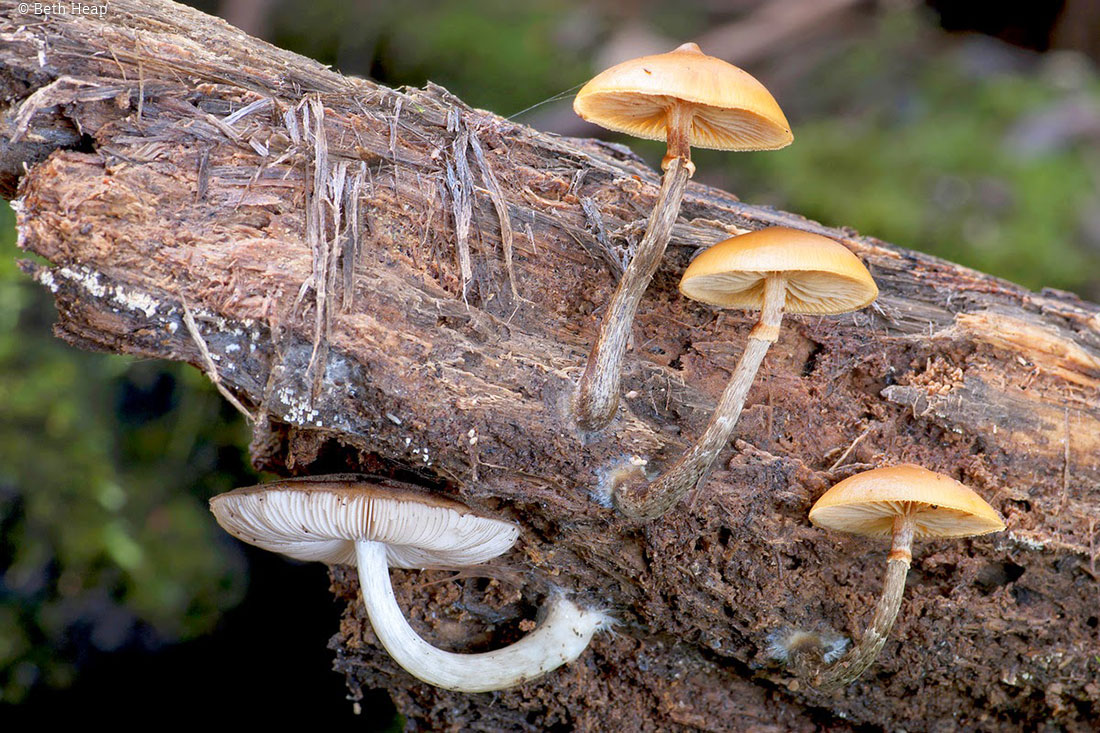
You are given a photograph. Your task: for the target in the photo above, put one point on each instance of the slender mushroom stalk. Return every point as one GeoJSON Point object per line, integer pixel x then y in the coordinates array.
{"type": "Point", "coordinates": [649, 500]}
{"type": "Point", "coordinates": [679, 125]}
{"type": "Point", "coordinates": [560, 638]}
{"type": "Point", "coordinates": [685, 98]}
{"type": "Point", "coordinates": [597, 395]}
{"type": "Point", "coordinates": [904, 502]}
{"type": "Point", "coordinates": [776, 270]}
{"type": "Point", "coordinates": [376, 524]}
{"type": "Point", "coordinates": [849, 667]}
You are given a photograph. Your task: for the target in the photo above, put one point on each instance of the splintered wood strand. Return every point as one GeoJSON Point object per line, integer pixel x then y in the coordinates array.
{"type": "Point", "coordinates": [598, 391]}
{"type": "Point", "coordinates": [460, 185]}
{"type": "Point", "coordinates": [506, 233]}
{"type": "Point", "coordinates": [352, 241]}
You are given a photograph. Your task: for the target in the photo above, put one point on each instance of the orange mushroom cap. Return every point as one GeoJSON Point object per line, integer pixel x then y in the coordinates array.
{"type": "Point", "coordinates": [823, 276]}
{"type": "Point", "coordinates": [866, 504]}
{"type": "Point", "coordinates": [732, 110]}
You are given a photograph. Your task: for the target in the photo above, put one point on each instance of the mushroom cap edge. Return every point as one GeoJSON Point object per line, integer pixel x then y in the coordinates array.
{"type": "Point", "coordinates": [734, 111]}
{"type": "Point", "coordinates": [320, 518]}
{"type": "Point", "coordinates": [866, 504]}
{"type": "Point", "coordinates": [823, 276]}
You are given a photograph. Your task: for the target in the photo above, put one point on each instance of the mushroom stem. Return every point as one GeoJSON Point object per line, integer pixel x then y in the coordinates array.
{"type": "Point", "coordinates": [649, 500]}
{"type": "Point", "coordinates": [852, 665]}
{"type": "Point", "coordinates": [680, 118]}
{"type": "Point", "coordinates": [597, 395]}
{"type": "Point", "coordinates": [559, 639]}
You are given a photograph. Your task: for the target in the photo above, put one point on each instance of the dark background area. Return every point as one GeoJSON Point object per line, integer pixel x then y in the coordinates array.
{"type": "Point", "coordinates": [967, 129]}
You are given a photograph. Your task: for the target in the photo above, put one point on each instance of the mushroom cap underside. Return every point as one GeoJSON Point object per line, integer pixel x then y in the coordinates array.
{"type": "Point", "coordinates": [732, 110]}
{"type": "Point", "coordinates": [823, 276]}
{"type": "Point", "coordinates": [867, 503]}
{"type": "Point", "coordinates": [320, 519]}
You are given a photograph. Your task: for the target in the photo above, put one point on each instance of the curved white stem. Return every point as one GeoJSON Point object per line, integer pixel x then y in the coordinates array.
{"type": "Point", "coordinates": [559, 639]}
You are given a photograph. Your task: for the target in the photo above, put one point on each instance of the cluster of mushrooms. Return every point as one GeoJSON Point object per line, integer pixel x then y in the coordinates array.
{"type": "Point", "coordinates": [376, 524]}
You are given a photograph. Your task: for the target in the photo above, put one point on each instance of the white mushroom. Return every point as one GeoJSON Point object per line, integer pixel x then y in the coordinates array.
{"type": "Point", "coordinates": [382, 524]}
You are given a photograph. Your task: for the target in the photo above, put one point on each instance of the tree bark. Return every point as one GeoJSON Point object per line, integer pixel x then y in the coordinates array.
{"type": "Point", "coordinates": [391, 281]}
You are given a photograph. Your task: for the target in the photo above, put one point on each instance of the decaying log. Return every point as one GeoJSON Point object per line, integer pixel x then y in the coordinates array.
{"type": "Point", "coordinates": [342, 250]}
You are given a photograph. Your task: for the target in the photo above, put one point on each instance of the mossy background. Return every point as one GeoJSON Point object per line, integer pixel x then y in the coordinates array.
{"type": "Point", "coordinates": [112, 572]}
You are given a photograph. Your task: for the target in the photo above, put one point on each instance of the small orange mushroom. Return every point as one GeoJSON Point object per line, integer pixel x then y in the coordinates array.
{"type": "Point", "coordinates": [686, 98]}
{"type": "Point", "coordinates": [774, 270]}
{"type": "Point", "coordinates": [901, 502]}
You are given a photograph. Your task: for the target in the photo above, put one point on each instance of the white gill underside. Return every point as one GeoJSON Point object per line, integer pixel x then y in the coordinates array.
{"type": "Point", "coordinates": [877, 519]}
{"type": "Point", "coordinates": [712, 127]}
{"type": "Point", "coordinates": [322, 526]}
{"type": "Point", "coordinates": [808, 292]}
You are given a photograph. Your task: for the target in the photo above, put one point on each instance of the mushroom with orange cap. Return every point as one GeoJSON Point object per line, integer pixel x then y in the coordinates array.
{"type": "Point", "coordinates": [686, 98]}
{"type": "Point", "coordinates": [901, 502]}
{"type": "Point", "coordinates": [378, 524]}
{"type": "Point", "coordinates": [775, 270]}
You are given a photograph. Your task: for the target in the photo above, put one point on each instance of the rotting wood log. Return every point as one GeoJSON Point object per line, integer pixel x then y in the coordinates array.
{"type": "Point", "coordinates": [341, 250]}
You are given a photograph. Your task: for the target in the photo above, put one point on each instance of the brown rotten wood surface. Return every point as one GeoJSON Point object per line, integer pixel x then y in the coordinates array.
{"type": "Point", "coordinates": [181, 172]}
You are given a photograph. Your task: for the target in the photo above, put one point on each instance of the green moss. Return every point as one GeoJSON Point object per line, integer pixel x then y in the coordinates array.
{"type": "Point", "coordinates": [101, 517]}
{"type": "Point", "coordinates": [925, 158]}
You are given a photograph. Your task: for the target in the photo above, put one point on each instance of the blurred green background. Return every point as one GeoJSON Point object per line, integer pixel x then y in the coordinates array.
{"type": "Point", "coordinates": [909, 125]}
